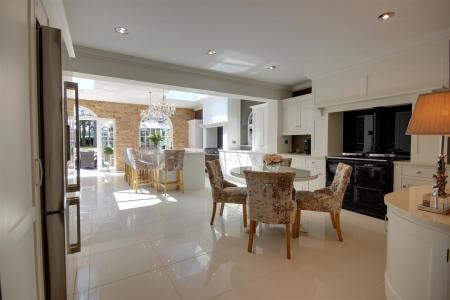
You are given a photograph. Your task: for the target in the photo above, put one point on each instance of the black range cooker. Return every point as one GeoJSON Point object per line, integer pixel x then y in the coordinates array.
{"type": "Point", "coordinates": [372, 178]}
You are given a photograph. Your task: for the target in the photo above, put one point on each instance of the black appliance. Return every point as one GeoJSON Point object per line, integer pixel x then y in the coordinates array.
{"type": "Point", "coordinates": [307, 146]}
{"type": "Point", "coordinates": [220, 137]}
{"type": "Point", "coordinates": [378, 130]}
{"type": "Point", "coordinates": [371, 179]}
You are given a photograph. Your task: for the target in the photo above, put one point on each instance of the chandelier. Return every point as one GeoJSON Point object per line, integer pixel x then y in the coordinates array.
{"type": "Point", "coordinates": [158, 111]}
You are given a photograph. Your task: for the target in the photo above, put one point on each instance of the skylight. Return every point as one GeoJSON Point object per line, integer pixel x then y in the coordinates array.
{"type": "Point", "coordinates": [84, 84]}
{"type": "Point", "coordinates": [186, 96]}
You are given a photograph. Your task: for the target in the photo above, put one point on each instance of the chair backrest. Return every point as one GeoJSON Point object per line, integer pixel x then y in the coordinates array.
{"type": "Point", "coordinates": [215, 176]}
{"type": "Point", "coordinates": [286, 162]}
{"type": "Point", "coordinates": [131, 156]}
{"type": "Point", "coordinates": [173, 160]}
{"type": "Point", "coordinates": [341, 180]}
{"type": "Point", "coordinates": [270, 197]}
{"type": "Point", "coordinates": [149, 156]}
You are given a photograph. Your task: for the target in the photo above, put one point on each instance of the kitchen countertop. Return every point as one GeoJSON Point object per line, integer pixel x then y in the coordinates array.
{"type": "Point", "coordinates": [241, 151]}
{"type": "Point", "coordinates": [405, 203]}
{"type": "Point", "coordinates": [408, 163]}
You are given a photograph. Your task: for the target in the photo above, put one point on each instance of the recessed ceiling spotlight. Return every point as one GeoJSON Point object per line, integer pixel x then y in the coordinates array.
{"type": "Point", "coordinates": [273, 67]}
{"type": "Point", "coordinates": [211, 52]}
{"type": "Point", "coordinates": [386, 15]}
{"type": "Point", "coordinates": [121, 30]}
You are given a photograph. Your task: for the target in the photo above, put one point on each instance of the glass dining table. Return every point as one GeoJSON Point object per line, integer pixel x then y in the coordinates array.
{"type": "Point", "coordinates": [301, 175]}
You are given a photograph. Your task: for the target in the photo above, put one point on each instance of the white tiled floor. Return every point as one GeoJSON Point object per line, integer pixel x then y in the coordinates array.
{"type": "Point", "coordinates": [147, 246]}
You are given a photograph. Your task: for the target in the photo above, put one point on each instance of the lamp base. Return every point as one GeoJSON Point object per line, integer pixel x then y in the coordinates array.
{"type": "Point", "coordinates": [435, 204]}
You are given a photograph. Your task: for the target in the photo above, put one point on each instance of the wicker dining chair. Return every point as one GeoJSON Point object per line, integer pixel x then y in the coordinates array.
{"type": "Point", "coordinates": [328, 199]}
{"type": "Point", "coordinates": [270, 201]}
{"type": "Point", "coordinates": [224, 192]}
{"type": "Point", "coordinates": [140, 171]}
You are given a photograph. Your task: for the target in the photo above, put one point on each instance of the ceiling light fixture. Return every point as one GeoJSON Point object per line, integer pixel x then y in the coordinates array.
{"type": "Point", "coordinates": [211, 52]}
{"type": "Point", "coordinates": [271, 67]}
{"type": "Point", "coordinates": [121, 30]}
{"type": "Point", "coordinates": [385, 16]}
{"type": "Point", "coordinates": [158, 111]}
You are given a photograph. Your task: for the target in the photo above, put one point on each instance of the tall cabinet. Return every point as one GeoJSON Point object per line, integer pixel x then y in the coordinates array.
{"type": "Point", "coordinates": [260, 121]}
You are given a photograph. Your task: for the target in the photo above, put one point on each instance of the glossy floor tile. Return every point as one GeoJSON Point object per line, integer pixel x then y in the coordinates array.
{"type": "Point", "coordinates": [150, 246]}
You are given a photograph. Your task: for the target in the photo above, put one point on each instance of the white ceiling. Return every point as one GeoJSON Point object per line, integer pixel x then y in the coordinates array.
{"type": "Point", "coordinates": [122, 91]}
{"type": "Point", "coordinates": [300, 37]}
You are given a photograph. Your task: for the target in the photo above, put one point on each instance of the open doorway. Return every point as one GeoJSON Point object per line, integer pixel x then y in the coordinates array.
{"type": "Point", "coordinates": [97, 141]}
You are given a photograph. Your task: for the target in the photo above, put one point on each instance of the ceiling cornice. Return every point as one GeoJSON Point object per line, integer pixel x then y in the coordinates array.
{"type": "Point", "coordinates": [112, 56]}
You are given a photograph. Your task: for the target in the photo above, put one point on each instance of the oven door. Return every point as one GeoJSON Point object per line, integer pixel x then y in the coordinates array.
{"type": "Point", "coordinates": [374, 176]}
{"type": "Point", "coordinates": [369, 202]}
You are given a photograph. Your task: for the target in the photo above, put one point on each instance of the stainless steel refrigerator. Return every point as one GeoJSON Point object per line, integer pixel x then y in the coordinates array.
{"type": "Point", "coordinates": [59, 162]}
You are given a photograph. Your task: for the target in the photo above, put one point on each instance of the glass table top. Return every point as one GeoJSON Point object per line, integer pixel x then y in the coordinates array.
{"type": "Point", "coordinates": [300, 174]}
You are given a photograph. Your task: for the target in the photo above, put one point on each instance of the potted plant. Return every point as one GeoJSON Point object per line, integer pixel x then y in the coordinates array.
{"type": "Point", "coordinates": [156, 138]}
{"type": "Point", "coordinates": [108, 152]}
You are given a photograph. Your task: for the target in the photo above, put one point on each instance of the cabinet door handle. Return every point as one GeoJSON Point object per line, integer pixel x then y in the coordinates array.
{"type": "Point", "coordinates": [405, 185]}
{"type": "Point", "coordinates": [419, 172]}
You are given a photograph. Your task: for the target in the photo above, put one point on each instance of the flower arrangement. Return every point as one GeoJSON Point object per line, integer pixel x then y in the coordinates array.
{"type": "Point", "coordinates": [272, 159]}
{"type": "Point", "coordinates": [156, 138]}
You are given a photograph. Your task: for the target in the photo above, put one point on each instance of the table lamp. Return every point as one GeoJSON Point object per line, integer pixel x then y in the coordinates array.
{"type": "Point", "coordinates": [431, 116]}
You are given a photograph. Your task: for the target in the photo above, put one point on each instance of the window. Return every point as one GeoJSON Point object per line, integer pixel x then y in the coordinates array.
{"type": "Point", "coordinates": [150, 127]}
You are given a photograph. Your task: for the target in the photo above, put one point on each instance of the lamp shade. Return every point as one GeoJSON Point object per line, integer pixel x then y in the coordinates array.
{"type": "Point", "coordinates": [431, 115]}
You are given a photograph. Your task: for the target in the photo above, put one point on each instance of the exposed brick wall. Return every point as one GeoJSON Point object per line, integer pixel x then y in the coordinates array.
{"type": "Point", "coordinates": [127, 119]}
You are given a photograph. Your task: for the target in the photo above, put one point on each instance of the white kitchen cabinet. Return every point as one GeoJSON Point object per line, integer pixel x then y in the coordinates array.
{"type": "Point", "coordinates": [407, 175]}
{"type": "Point", "coordinates": [414, 69]}
{"type": "Point", "coordinates": [296, 114]}
{"type": "Point", "coordinates": [195, 133]}
{"type": "Point", "coordinates": [259, 142]}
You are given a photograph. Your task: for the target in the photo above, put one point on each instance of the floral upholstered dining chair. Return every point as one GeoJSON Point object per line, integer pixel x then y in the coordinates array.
{"type": "Point", "coordinates": [270, 201]}
{"type": "Point", "coordinates": [328, 199]}
{"type": "Point", "coordinates": [224, 191]}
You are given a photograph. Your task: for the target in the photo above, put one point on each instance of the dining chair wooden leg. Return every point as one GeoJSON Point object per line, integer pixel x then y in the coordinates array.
{"type": "Point", "coordinates": [181, 181]}
{"type": "Point", "coordinates": [165, 183]}
{"type": "Point", "coordinates": [156, 183]}
{"type": "Point", "coordinates": [213, 213]}
{"type": "Point", "coordinates": [244, 214]}
{"type": "Point", "coordinates": [222, 206]}
{"type": "Point", "coordinates": [297, 223]}
{"type": "Point", "coordinates": [294, 226]}
{"type": "Point", "coordinates": [250, 236]}
{"type": "Point", "coordinates": [333, 221]}
{"type": "Point", "coordinates": [288, 241]}
{"type": "Point", "coordinates": [337, 219]}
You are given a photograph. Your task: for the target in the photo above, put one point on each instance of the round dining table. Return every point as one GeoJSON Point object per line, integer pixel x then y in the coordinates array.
{"type": "Point", "coordinates": [300, 174]}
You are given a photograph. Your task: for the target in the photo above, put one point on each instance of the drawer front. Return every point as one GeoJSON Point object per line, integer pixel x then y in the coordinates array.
{"type": "Point", "coordinates": [414, 181]}
{"type": "Point", "coordinates": [315, 163]}
{"type": "Point", "coordinates": [418, 171]}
